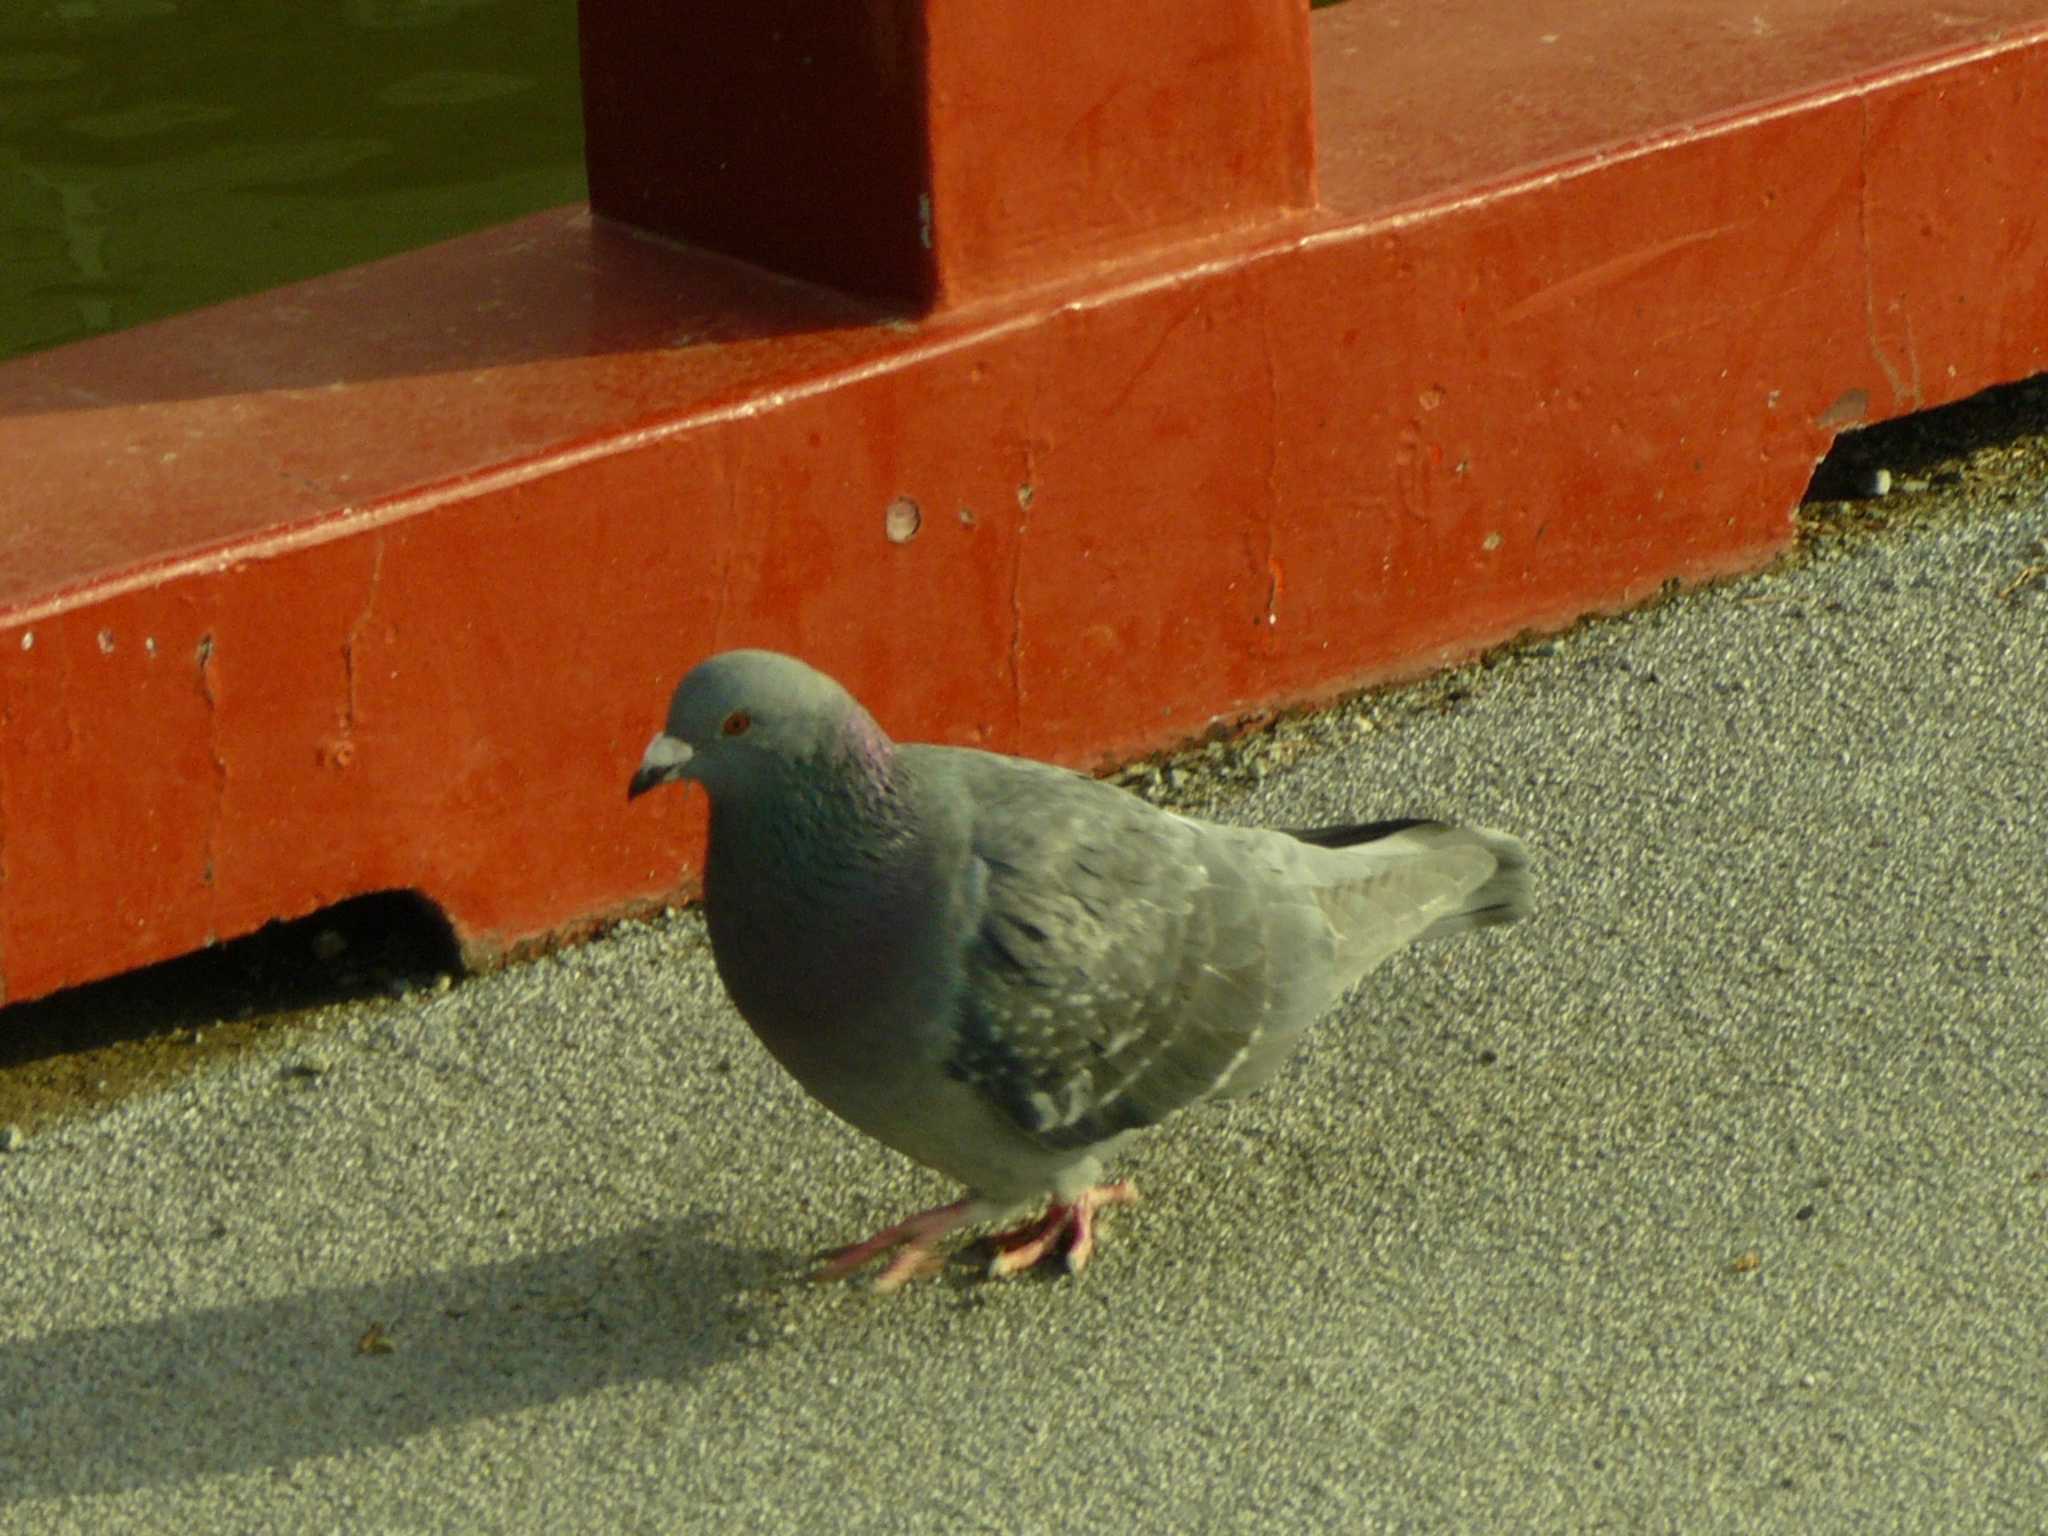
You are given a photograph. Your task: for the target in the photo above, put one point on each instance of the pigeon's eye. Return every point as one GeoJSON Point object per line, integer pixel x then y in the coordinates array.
{"type": "Point", "coordinates": [737, 723]}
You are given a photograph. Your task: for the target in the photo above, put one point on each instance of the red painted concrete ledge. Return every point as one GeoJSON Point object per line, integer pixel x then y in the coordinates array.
{"type": "Point", "coordinates": [381, 581]}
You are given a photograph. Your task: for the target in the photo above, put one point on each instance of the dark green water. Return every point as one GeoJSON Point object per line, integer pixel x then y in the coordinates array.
{"type": "Point", "coordinates": [156, 155]}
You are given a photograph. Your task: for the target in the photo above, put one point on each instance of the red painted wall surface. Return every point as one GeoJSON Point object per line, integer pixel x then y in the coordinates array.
{"type": "Point", "coordinates": [383, 580]}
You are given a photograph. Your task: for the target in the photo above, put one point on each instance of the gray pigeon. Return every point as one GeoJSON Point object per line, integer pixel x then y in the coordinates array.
{"type": "Point", "coordinates": [1003, 969]}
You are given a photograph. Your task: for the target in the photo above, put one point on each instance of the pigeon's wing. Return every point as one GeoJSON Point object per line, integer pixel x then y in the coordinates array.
{"type": "Point", "coordinates": [1320, 910]}
{"type": "Point", "coordinates": [1120, 961]}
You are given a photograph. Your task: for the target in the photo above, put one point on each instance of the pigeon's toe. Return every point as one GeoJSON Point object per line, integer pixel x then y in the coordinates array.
{"type": "Point", "coordinates": [918, 1237]}
{"type": "Point", "coordinates": [1067, 1229]}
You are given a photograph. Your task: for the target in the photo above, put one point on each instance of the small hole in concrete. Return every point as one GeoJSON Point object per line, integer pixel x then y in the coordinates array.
{"type": "Point", "coordinates": [902, 520]}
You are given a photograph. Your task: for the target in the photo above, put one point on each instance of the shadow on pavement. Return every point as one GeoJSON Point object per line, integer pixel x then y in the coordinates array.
{"type": "Point", "coordinates": [273, 1382]}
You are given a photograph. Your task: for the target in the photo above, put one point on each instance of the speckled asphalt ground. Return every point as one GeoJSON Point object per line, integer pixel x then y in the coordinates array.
{"type": "Point", "coordinates": [1715, 1197]}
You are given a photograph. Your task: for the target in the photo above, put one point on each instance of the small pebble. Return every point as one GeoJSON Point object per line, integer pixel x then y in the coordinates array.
{"type": "Point", "coordinates": [12, 1138]}
{"type": "Point", "coordinates": [1874, 482]}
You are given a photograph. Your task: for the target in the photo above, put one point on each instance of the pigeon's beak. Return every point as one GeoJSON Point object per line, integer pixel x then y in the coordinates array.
{"type": "Point", "coordinates": [667, 759]}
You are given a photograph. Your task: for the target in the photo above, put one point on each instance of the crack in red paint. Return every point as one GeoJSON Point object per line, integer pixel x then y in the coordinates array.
{"type": "Point", "coordinates": [727, 548]}
{"type": "Point", "coordinates": [218, 811]}
{"type": "Point", "coordinates": [1270, 509]}
{"type": "Point", "coordinates": [348, 651]}
{"type": "Point", "coordinates": [1025, 492]}
{"type": "Point", "coordinates": [1615, 269]}
{"type": "Point", "coordinates": [1877, 351]}
{"type": "Point", "coordinates": [1144, 366]}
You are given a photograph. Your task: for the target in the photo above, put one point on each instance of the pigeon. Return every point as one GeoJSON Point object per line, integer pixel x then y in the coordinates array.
{"type": "Point", "coordinates": [1003, 969]}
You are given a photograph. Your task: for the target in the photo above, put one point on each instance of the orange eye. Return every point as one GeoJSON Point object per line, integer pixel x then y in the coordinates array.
{"type": "Point", "coordinates": [737, 723]}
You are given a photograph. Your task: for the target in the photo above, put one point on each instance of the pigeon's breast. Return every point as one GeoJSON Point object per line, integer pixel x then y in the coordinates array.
{"type": "Point", "coordinates": [835, 961]}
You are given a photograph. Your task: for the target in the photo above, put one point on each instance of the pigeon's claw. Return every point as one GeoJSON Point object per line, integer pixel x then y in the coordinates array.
{"type": "Point", "coordinates": [917, 1237]}
{"type": "Point", "coordinates": [1067, 1228]}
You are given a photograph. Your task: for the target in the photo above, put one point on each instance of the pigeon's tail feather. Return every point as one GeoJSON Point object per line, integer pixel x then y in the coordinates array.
{"type": "Point", "coordinates": [1351, 834]}
{"type": "Point", "coordinates": [1504, 898]}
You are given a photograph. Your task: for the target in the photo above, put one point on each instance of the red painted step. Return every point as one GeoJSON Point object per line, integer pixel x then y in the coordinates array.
{"type": "Point", "coordinates": [382, 580]}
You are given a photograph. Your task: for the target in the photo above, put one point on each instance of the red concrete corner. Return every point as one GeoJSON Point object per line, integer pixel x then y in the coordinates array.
{"type": "Point", "coordinates": [920, 153]}
{"type": "Point", "coordinates": [382, 580]}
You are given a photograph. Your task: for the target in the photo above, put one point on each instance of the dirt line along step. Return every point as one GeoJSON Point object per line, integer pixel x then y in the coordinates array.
{"type": "Point", "coordinates": [380, 581]}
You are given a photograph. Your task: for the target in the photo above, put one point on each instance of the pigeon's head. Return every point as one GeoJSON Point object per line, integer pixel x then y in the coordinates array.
{"type": "Point", "coordinates": [742, 713]}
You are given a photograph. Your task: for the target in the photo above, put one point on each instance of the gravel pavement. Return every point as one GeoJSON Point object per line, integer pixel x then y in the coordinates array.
{"type": "Point", "coordinates": [1712, 1198]}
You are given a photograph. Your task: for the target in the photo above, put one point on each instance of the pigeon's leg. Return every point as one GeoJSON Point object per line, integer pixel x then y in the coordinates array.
{"type": "Point", "coordinates": [916, 1237]}
{"type": "Point", "coordinates": [1067, 1227]}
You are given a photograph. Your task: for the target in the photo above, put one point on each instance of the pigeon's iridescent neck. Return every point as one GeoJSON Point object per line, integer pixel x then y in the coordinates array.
{"type": "Point", "coordinates": [843, 805]}
{"type": "Point", "coordinates": [868, 747]}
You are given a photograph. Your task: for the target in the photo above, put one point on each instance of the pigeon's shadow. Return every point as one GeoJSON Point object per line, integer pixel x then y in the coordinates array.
{"type": "Point", "coordinates": [269, 1383]}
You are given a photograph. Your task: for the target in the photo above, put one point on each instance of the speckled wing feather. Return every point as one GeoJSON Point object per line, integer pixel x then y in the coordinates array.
{"type": "Point", "coordinates": [1085, 905]}
{"type": "Point", "coordinates": [1122, 962]}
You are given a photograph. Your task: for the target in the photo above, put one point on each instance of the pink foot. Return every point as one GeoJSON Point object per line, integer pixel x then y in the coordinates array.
{"type": "Point", "coordinates": [1067, 1228]}
{"type": "Point", "coordinates": [917, 1237]}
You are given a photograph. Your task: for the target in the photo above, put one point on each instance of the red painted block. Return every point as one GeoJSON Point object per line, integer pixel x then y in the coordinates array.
{"type": "Point", "coordinates": [919, 152]}
{"type": "Point", "coordinates": [383, 580]}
